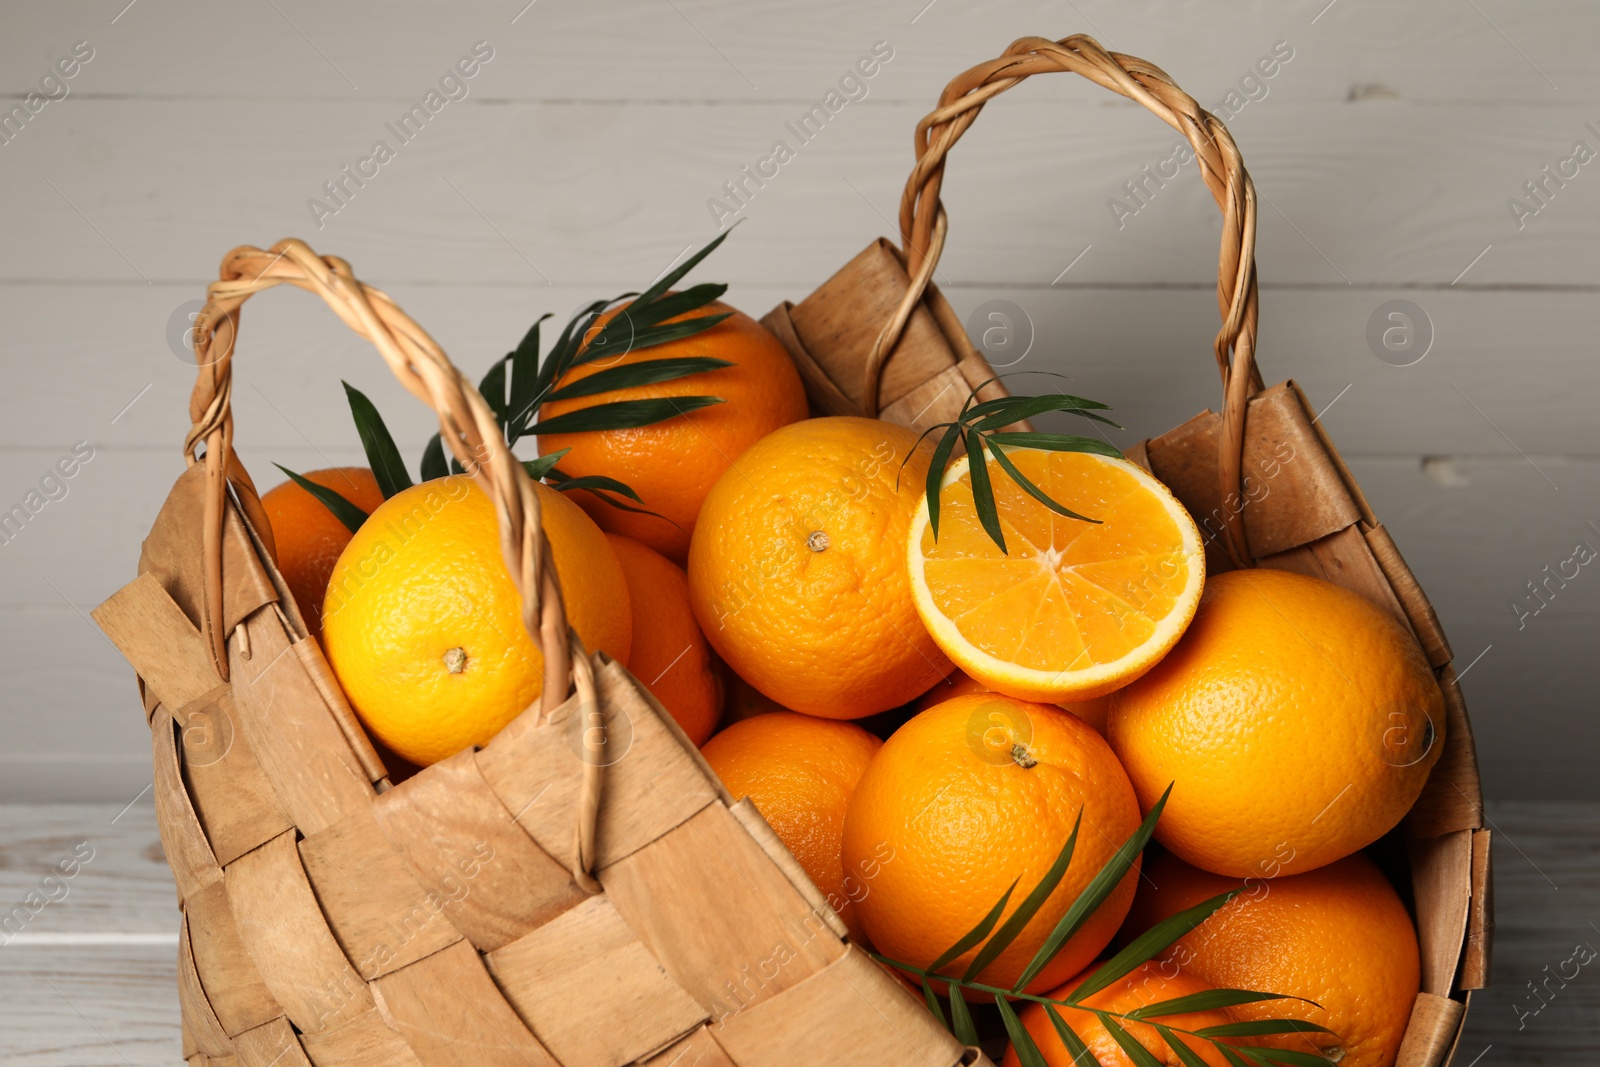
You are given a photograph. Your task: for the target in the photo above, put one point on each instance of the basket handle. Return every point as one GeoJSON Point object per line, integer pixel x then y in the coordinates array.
{"type": "Point", "coordinates": [923, 223]}
{"type": "Point", "coordinates": [466, 424]}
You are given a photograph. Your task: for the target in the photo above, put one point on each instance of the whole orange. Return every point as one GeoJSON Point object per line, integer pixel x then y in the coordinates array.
{"type": "Point", "coordinates": [970, 796]}
{"type": "Point", "coordinates": [669, 655]}
{"type": "Point", "coordinates": [1338, 936]}
{"type": "Point", "coordinates": [795, 576]}
{"type": "Point", "coordinates": [309, 538]}
{"type": "Point", "coordinates": [800, 772]}
{"type": "Point", "coordinates": [1149, 984]}
{"type": "Point", "coordinates": [960, 683]}
{"type": "Point", "coordinates": [1293, 716]}
{"type": "Point", "coordinates": [673, 464]}
{"type": "Point", "coordinates": [423, 624]}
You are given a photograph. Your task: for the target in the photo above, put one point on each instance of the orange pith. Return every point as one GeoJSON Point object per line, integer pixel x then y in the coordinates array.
{"type": "Point", "coordinates": [1076, 609]}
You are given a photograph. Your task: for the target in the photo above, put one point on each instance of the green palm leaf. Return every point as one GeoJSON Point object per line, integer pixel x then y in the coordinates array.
{"type": "Point", "coordinates": [629, 375]}
{"type": "Point", "coordinates": [342, 509]}
{"type": "Point", "coordinates": [1081, 1056]}
{"type": "Point", "coordinates": [1095, 893]}
{"type": "Point", "coordinates": [1021, 1041]}
{"type": "Point", "coordinates": [624, 414]}
{"type": "Point", "coordinates": [1028, 908]}
{"type": "Point", "coordinates": [387, 467]}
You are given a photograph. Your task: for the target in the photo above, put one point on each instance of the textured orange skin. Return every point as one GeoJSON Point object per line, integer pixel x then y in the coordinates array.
{"type": "Point", "coordinates": [959, 830]}
{"type": "Point", "coordinates": [832, 632]}
{"type": "Point", "coordinates": [960, 683]}
{"type": "Point", "coordinates": [670, 654]}
{"type": "Point", "coordinates": [1292, 718]}
{"type": "Point", "coordinates": [425, 575]}
{"type": "Point", "coordinates": [801, 771]}
{"type": "Point", "coordinates": [1338, 935]}
{"type": "Point", "coordinates": [673, 464]}
{"type": "Point", "coordinates": [1145, 985]}
{"type": "Point", "coordinates": [309, 538]}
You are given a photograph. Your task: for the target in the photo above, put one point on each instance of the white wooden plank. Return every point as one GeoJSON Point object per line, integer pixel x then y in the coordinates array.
{"type": "Point", "coordinates": [117, 1004]}
{"type": "Point", "coordinates": [1474, 544]}
{"type": "Point", "coordinates": [74, 727]}
{"type": "Point", "coordinates": [97, 869]}
{"type": "Point", "coordinates": [110, 508]}
{"type": "Point", "coordinates": [1521, 695]}
{"type": "Point", "coordinates": [1546, 882]}
{"type": "Point", "coordinates": [1525, 358]}
{"type": "Point", "coordinates": [89, 977]}
{"type": "Point", "coordinates": [1466, 400]}
{"type": "Point", "coordinates": [1373, 193]}
{"type": "Point", "coordinates": [89, 1006]}
{"type": "Point", "coordinates": [1431, 50]}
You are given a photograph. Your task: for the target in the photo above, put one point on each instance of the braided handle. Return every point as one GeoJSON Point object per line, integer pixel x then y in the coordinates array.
{"type": "Point", "coordinates": [923, 223]}
{"type": "Point", "coordinates": [466, 423]}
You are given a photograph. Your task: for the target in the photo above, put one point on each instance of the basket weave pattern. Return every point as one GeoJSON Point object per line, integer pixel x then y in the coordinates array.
{"type": "Point", "coordinates": [1262, 479]}
{"type": "Point", "coordinates": [549, 900]}
{"type": "Point", "coordinates": [542, 900]}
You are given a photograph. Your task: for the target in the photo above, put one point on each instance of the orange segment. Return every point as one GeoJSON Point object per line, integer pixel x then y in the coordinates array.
{"type": "Point", "coordinates": [1072, 609]}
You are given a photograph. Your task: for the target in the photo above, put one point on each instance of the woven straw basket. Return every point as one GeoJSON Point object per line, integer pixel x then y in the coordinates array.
{"type": "Point", "coordinates": [582, 890]}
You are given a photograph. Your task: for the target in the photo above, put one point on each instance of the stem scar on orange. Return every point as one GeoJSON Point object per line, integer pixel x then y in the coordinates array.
{"type": "Point", "coordinates": [973, 795]}
{"type": "Point", "coordinates": [424, 626]}
{"type": "Point", "coordinates": [794, 576]}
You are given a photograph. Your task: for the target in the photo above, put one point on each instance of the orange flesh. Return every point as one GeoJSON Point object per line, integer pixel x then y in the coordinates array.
{"type": "Point", "coordinates": [1090, 593]}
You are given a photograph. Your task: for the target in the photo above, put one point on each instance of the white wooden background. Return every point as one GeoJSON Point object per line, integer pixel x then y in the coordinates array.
{"type": "Point", "coordinates": [1384, 151]}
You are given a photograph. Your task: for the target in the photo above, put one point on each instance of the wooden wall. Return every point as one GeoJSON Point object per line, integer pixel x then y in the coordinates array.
{"type": "Point", "coordinates": [581, 161]}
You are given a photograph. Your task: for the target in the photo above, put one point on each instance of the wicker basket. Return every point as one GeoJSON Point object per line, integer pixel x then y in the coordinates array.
{"type": "Point", "coordinates": [549, 900]}
{"type": "Point", "coordinates": [544, 900]}
{"type": "Point", "coordinates": [1262, 479]}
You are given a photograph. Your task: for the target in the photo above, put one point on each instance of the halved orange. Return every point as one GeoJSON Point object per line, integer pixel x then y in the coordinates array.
{"type": "Point", "coordinates": [1073, 609]}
